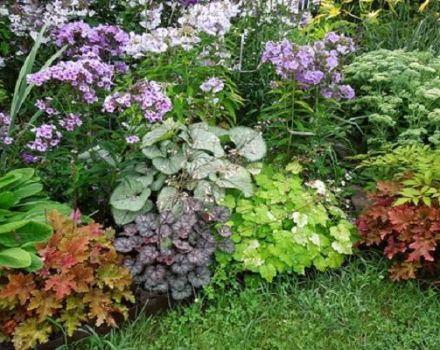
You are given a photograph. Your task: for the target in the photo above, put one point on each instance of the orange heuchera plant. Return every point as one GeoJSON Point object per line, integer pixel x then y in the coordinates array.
{"type": "Point", "coordinates": [409, 234]}
{"type": "Point", "coordinates": [81, 282]}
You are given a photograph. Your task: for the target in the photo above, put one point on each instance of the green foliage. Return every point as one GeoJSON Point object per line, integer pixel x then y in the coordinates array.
{"type": "Point", "coordinates": [185, 72]}
{"type": "Point", "coordinates": [287, 227]}
{"type": "Point", "coordinates": [398, 97]}
{"type": "Point", "coordinates": [198, 158]}
{"type": "Point", "coordinates": [23, 209]}
{"type": "Point", "coordinates": [416, 168]}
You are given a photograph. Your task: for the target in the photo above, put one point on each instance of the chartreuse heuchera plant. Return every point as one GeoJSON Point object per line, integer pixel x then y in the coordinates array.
{"type": "Point", "coordinates": [23, 210]}
{"type": "Point", "coordinates": [288, 227]}
{"type": "Point", "coordinates": [199, 159]}
{"type": "Point", "coordinates": [80, 282]}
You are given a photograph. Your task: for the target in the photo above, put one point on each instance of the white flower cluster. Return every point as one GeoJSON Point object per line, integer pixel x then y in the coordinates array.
{"type": "Point", "coordinates": [26, 17]}
{"type": "Point", "coordinates": [290, 12]}
{"type": "Point", "coordinates": [213, 19]}
{"type": "Point", "coordinates": [161, 40]}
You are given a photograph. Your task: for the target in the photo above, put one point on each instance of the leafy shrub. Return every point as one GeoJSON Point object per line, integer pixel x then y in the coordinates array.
{"type": "Point", "coordinates": [80, 282]}
{"type": "Point", "coordinates": [23, 209]}
{"type": "Point", "coordinates": [416, 168]}
{"type": "Point", "coordinates": [170, 252]}
{"type": "Point", "coordinates": [198, 158]}
{"type": "Point", "coordinates": [408, 233]}
{"type": "Point", "coordinates": [287, 227]}
{"type": "Point", "coordinates": [398, 97]}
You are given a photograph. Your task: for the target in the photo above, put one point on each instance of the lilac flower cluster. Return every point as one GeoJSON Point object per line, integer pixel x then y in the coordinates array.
{"type": "Point", "coordinates": [46, 137]}
{"type": "Point", "coordinates": [214, 85]}
{"type": "Point", "coordinates": [84, 75]}
{"type": "Point", "coordinates": [316, 65]}
{"type": "Point", "coordinates": [148, 95]}
{"type": "Point", "coordinates": [71, 122]}
{"type": "Point", "coordinates": [5, 121]}
{"type": "Point", "coordinates": [102, 41]}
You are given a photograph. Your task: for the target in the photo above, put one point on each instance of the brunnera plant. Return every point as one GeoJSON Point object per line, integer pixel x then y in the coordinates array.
{"type": "Point", "coordinates": [80, 282]}
{"type": "Point", "coordinates": [287, 227]}
{"type": "Point", "coordinates": [407, 233]}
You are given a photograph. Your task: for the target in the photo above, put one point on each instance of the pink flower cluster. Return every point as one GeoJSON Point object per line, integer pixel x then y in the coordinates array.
{"type": "Point", "coordinates": [147, 95]}
{"type": "Point", "coordinates": [102, 41]}
{"type": "Point", "coordinates": [85, 75]}
{"type": "Point", "coordinates": [318, 65]}
{"type": "Point", "coordinates": [5, 121]}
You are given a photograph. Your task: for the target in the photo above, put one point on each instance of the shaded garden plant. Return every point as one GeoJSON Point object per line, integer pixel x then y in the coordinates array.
{"type": "Point", "coordinates": [172, 252]}
{"type": "Point", "coordinates": [80, 282]}
{"type": "Point", "coordinates": [407, 233]}
{"type": "Point", "coordinates": [287, 227]}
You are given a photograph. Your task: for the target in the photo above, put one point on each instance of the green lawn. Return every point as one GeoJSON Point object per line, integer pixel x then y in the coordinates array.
{"type": "Point", "coordinates": [355, 307]}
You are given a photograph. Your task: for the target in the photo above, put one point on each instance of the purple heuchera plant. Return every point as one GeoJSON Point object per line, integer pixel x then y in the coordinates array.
{"type": "Point", "coordinates": [172, 254]}
{"type": "Point", "coordinates": [104, 41]}
{"type": "Point", "coordinates": [318, 65]}
{"type": "Point", "coordinates": [147, 95]}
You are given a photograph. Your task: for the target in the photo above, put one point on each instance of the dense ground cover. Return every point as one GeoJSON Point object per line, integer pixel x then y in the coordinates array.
{"type": "Point", "coordinates": [355, 307]}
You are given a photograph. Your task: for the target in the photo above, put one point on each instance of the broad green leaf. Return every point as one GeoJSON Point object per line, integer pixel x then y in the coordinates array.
{"type": "Point", "coordinates": [24, 232]}
{"type": "Point", "coordinates": [205, 140]}
{"type": "Point", "coordinates": [130, 195]}
{"type": "Point", "coordinates": [160, 133]}
{"type": "Point", "coordinates": [250, 144]}
{"type": "Point", "coordinates": [15, 258]}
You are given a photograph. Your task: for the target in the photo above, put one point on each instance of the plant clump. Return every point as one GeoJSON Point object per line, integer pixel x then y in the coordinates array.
{"type": "Point", "coordinates": [172, 253]}
{"type": "Point", "coordinates": [80, 282]}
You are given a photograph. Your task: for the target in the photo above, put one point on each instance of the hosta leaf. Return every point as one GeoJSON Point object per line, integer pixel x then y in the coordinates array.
{"type": "Point", "coordinates": [15, 258]}
{"type": "Point", "coordinates": [250, 144]}
{"type": "Point", "coordinates": [18, 233]}
{"type": "Point", "coordinates": [7, 199]}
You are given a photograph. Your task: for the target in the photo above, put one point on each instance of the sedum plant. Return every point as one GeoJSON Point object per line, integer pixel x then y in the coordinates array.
{"type": "Point", "coordinates": [81, 282]}
{"type": "Point", "coordinates": [198, 158]}
{"type": "Point", "coordinates": [23, 209]}
{"type": "Point", "coordinates": [398, 97]}
{"type": "Point", "coordinates": [170, 253]}
{"type": "Point", "coordinates": [287, 227]}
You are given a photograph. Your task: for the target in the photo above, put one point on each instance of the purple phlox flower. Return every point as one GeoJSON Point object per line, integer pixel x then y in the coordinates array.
{"type": "Point", "coordinates": [214, 85]}
{"type": "Point", "coordinates": [147, 95]}
{"type": "Point", "coordinates": [132, 139]}
{"type": "Point", "coordinates": [83, 75]}
{"type": "Point", "coordinates": [71, 122]}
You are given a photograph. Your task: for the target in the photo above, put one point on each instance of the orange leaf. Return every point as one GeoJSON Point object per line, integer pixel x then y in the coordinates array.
{"type": "Point", "coordinates": [20, 285]}
{"type": "Point", "coordinates": [61, 284]}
